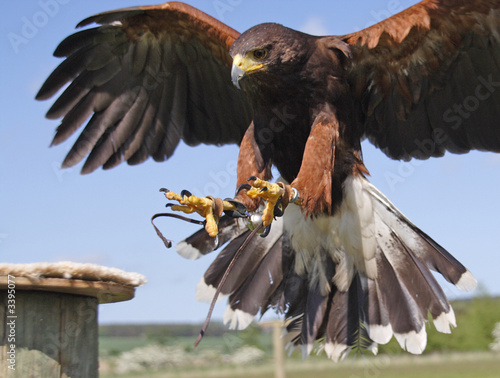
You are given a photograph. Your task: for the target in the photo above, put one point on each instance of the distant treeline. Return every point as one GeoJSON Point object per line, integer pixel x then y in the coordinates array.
{"type": "Point", "coordinates": [217, 329]}
{"type": "Point", "coordinates": [476, 319]}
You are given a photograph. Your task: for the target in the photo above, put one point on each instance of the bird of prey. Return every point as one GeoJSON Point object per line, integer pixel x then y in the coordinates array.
{"type": "Point", "coordinates": [338, 259]}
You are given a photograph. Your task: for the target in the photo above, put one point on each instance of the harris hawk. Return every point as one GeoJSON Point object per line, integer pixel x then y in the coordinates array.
{"type": "Point", "coordinates": [338, 259]}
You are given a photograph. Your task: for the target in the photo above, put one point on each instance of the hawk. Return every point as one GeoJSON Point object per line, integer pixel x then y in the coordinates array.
{"type": "Point", "coordinates": [338, 259]}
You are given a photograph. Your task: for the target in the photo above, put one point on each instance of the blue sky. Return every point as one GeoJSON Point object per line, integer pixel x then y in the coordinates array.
{"type": "Point", "coordinates": [48, 214]}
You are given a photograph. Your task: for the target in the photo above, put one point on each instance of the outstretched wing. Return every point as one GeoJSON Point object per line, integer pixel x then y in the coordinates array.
{"type": "Point", "coordinates": [148, 77]}
{"type": "Point", "coordinates": [427, 80]}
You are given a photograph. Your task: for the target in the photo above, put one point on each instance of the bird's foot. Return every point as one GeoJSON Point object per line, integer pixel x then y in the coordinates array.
{"type": "Point", "coordinates": [208, 207]}
{"type": "Point", "coordinates": [277, 197]}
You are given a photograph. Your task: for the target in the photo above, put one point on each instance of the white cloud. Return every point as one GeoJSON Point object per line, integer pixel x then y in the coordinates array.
{"type": "Point", "coordinates": [91, 258]}
{"type": "Point", "coordinates": [314, 25]}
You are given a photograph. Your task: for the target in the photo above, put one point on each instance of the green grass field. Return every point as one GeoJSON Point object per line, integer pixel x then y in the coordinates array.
{"type": "Point", "coordinates": [463, 365]}
{"type": "Point", "coordinates": [114, 345]}
{"type": "Point", "coordinates": [111, 346]}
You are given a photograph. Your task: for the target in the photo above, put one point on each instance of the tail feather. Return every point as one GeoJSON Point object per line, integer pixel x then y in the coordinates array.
{"type": "Point", "coordinates": [410, 274]}
{"type": "Point", "coordinates": [337, 330]}
{"type": "Point", "coordinates": [316, 306]}
{"type": "Point", "coordinates": [422, 245]}
{"type": "Point", "coordinates": [210, 281]}
{"type": "Point", "coordinates": [377, 314]}
{"type": "Point", "coordinates": [295, 286]}
{"type": "Point", "coordinates": [320, 281]}
{"type": "Point", "coordinates": [254, 293]}
{"type": "Point", "coordinates": [404, 315]}
{"type": "Point", "coordinates": [242, 269]}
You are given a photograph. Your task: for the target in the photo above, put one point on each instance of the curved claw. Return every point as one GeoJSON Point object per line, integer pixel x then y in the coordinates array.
{"type": "Point", "coordinates": [266, 232]}
{"type": "Point", "coordinates": [242, 187]}
{"type": "Point", "coordinates": [278, 208]}
{"type": "Point", "coordinates": [240, 209]}
{"type": "Point", "coordinates": [186, 193]}
{"type": "Point", "coordinates": [164, 190]}
{"type": "Point", "coordinates": [271, 193]}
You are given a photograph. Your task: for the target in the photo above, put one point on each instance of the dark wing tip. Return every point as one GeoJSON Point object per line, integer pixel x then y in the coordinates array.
{"type": "Point", "coordinates": [110, 16]}
{"type": "Point", "coordinates": [43, 94]}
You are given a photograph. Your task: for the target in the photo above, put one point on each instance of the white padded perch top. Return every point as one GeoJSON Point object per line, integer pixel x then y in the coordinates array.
{"type": "Point", "coordinates": [50, 313]}
{"type": "Point", "coordinates": [106, 284]}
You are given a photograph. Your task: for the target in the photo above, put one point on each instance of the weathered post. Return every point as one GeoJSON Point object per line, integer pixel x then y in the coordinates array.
{"type": "Point", "coordinates": [49, 316]}
{"type": "Point", "coordinates": [278, 347]}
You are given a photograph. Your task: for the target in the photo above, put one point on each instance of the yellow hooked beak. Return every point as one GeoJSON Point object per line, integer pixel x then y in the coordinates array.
{"type": "Point", "coordinates": [243, 66]}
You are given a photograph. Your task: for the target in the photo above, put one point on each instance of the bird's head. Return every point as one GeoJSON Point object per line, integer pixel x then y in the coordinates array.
{"type": "Point", "coordinates": [267, 54]}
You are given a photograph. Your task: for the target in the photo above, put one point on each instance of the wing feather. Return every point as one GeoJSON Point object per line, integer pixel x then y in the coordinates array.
{"type": "Point", "coordinates": [146, 78]}
{"type": "Point", "coordinates": [426, 80]}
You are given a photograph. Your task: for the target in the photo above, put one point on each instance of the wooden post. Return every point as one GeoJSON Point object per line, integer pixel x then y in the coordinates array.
{"type": "Point", "coordinates": [278, 347]}
{"type": "Point", "coordinates": [279, 350]}
{"type": "Point", "coordinates": [54, 334]}
{"type": "Point", "coordinates": [49, 324]}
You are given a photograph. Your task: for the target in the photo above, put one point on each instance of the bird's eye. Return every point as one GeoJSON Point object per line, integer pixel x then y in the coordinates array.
{"type": "Point", "coordinates": [260, 54]}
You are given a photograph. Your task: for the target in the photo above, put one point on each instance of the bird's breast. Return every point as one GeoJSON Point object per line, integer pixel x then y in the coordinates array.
{"type": "Point", "coordinates": [281, 134]}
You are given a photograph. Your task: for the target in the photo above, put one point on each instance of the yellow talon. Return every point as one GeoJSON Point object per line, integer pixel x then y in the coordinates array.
{"type": "Point", "coordinates": [269, 192]}
{"type": "Point", "coordinates": [208, 207]}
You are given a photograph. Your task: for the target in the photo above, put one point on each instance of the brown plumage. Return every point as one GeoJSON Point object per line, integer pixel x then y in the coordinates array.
{"type": "Point", "coordinates": [409, 73]}
{"type": "Point", "coordinates": [345, 266]}
{"type": "Point", "coordinates": [133, 79]}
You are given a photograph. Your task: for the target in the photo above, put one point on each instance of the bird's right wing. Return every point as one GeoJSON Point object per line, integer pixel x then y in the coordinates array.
{"type": "Point", "coordinates": [148, 77]}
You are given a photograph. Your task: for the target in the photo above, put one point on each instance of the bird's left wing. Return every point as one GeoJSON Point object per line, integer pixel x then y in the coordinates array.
{"type": "Point", "coordinates": [427, 80]}
{"type": "Point", "coordinates": [148, 77]}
